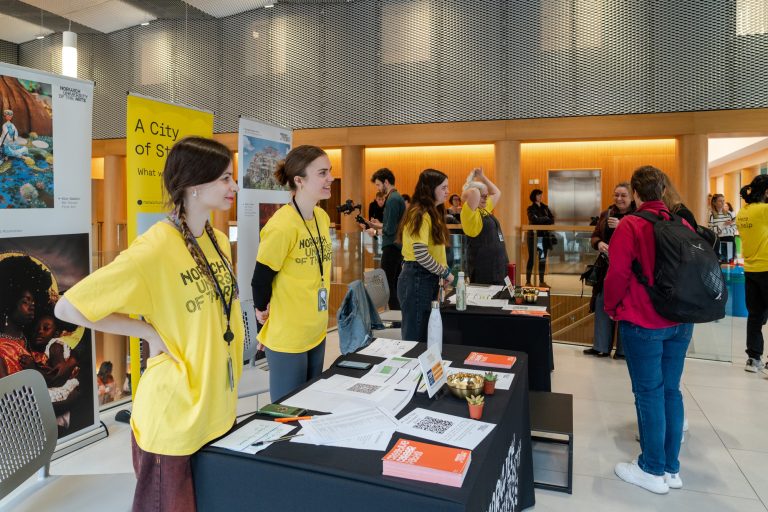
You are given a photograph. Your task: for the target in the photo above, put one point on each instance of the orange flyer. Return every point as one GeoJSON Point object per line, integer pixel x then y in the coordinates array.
{"type": "Point", "coordinates": [429, 456]}
{"type": "Point", "coordinates": [490, 360]}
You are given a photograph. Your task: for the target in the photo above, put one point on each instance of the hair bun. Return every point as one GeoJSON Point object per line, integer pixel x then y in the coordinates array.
{"type": "Point", "coordinates": [280, 174]}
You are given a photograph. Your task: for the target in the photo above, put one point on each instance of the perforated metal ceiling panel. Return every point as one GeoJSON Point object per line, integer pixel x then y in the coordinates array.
{"type": "Point", "coordinates": [309, 64]}
{"type": "Point", "coordinates": [9, 52]}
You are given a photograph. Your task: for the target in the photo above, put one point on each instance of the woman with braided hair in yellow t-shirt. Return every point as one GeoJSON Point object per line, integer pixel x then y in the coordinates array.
{"type": "Point", "coordinates": [293, 273]}
{"type": "Point", "coordinates": [178, 276]}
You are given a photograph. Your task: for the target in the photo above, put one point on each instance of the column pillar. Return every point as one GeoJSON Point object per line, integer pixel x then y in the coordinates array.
{"type": "Point", "coordinates": [732, 188]}
{"type": "Point", "coordinates": [114, 346]}
{"type": "Point", "coordinates": [352, 182]}
{"type": "Point", "coordinates": [692, 153]}
{"type": "Point", "coordinates": [507, 159]}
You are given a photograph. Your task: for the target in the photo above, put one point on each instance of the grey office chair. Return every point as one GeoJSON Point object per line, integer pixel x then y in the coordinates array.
{"type": "Point", "coordinates": [375, 282]}
{"type": "Point", "coordinates": [377, 287]}
{"type": "Point", "coordinates": [28, 436]}
{"type": "Point", "coordinates": [255, 378]}
{"type": "Point", "coordinates": [28, 430]}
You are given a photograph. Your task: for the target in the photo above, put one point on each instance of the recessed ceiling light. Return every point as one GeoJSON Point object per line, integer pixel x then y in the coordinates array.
{"type": "Point", "coordinates": [145, 24]}
{"type": "Point", "coordinates": [269, 6]}
{"type": "Point", "coordinates": [40, 37]}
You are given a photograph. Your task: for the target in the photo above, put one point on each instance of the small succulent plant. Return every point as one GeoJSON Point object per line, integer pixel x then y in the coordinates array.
{"type": "Point", "coordinates": [476, 399]}
{"type": "Point", "coordinates": [491, 377]}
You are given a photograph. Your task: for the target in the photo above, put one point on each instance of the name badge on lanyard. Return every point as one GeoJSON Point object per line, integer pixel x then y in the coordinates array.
{"type": "Point", "coordinates": [322, 293]}
{"type": "Point", "coordinates": [322, 299]}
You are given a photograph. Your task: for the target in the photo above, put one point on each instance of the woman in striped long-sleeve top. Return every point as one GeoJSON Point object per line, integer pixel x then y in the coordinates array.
{"type": "Point", "coordinates": [424, 235]}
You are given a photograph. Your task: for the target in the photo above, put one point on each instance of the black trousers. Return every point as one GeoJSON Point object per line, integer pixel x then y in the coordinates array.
{"type": "Point", "coordinates": [391, 263]}
{"type": "Point", "coordinates": [532, 242]}
{"type": "Point", "coordinates": [756, 291]}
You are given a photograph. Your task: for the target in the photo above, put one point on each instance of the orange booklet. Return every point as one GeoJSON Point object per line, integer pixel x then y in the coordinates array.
{"type": "Point", "coordinates": [427, 462]}
{"type": "Point", "coordinates": [490, 360]}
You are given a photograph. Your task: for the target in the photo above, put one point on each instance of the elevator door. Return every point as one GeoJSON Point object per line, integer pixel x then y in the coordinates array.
{"type": "Point", "coordinates": [574, 195]}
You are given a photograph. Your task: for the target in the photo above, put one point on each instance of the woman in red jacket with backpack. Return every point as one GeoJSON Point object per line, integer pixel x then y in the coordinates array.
{"type": "Point", "coordinates": [654, 346]}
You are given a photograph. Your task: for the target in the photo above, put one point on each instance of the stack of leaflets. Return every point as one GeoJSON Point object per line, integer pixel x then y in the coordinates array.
{"type": "Point", "coordinates": [490, 360]}
{"type": "Point", "coordinates": [427, 462]}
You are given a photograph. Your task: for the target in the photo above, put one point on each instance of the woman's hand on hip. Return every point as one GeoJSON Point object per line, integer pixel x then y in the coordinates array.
{"type": "Point", "coordinates": [262, 316]}
{"type": "Point", "coordinates": [156, 344]}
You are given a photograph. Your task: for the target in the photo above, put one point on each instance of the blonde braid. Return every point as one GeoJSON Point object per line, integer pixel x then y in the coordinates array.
{"type": "Point", "coordinates": [192, 247]}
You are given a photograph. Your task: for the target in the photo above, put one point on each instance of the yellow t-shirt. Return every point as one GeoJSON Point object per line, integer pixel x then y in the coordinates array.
{"type": "Point", "coordinates": [295, 325]}
{"type": "Point", "coordinates": [753, 229]}
{"type": "Point", "coordinates": [424, 236]}
{"type": "Point", "coordinates": [178, 407]}
{"type": "Point", "coordinates": [472, 221]}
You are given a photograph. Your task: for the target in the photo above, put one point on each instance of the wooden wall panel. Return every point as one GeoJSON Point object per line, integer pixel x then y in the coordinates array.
{"type": "Point", "coordinates": [615, 159]}
{"type": "Point", "coordinates": [408, 162]}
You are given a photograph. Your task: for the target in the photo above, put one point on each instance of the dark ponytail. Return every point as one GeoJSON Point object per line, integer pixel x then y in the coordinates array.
{"type": "Point", "coordinates": [755, 191]}
{"type": "Point", "coordinates": [295, 164]}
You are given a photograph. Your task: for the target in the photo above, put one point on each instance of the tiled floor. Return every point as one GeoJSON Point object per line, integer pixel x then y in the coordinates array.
{"type": "Point", "coordinates": [724, 458]}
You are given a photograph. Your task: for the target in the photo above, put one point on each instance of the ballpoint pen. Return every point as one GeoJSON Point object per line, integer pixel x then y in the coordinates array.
{"type": "Point", "coordinates": [284, 438]}
{"type": "Point", "coordinates": [294, 418]}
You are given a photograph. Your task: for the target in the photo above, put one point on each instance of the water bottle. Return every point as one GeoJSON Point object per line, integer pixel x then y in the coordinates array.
{"type": "Point", "coordinates": [435, 328]}
{"type": "Point", "coordinates": [461, 293]}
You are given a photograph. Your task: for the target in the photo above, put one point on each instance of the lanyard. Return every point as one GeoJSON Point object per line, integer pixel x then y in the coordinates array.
{"type": "Point", "coordinates": [318, 251]}
{"type": "Point", "coordinates": [226, 305]}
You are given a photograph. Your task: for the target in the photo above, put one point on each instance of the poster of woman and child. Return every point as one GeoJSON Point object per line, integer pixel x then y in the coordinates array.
{"type": "Point", "coordinates": [34, 272]}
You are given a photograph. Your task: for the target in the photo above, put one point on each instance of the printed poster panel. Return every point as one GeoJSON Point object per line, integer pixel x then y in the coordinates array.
{"type": "Point", "coordinates": [261, 146]}
{"type": "Point", "coordinates": [45, 153]}
{"type": "Point", "coordinates": [45, 235]}
{"type": "Point", "coordinates": [153, 127]}
{"type": "Point", "coordinates": [34, 272]}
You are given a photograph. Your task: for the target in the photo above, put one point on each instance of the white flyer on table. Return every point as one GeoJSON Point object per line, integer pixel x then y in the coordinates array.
{"type": "Point", "coordinates": [503, 381]}
{"type": "Point", "coordinates": [445, 428]}
{"type": "Point", "coordinates": [377, 441]}
{"type": "Point", "coordinates": [241, 440]}
{"type": "Point", "coordinates": [382, 347]}
{"type": "Point", "coordinates": [346, 425]}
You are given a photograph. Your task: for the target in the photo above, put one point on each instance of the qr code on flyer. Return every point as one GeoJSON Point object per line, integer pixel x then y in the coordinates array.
{"type": "Point", "coordinates": [434, 425]}
{"type": "Point", "coordinates": [364, 388]}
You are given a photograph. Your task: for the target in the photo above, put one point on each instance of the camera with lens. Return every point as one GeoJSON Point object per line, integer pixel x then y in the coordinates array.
{"type": "Point", "coordinates": [348, 207]}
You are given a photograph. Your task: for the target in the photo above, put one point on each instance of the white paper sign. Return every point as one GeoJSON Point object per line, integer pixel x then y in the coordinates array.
{"type": "Point", "coordinates": [432, 370]}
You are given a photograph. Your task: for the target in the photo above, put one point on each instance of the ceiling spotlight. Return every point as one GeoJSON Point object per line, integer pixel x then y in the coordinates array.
{"type": "Point", "coordinates": [40, 37]}
{"type": "Point", "coordinates": [144, 24]}
{"type": "Point", "coordinates": [269, 6]}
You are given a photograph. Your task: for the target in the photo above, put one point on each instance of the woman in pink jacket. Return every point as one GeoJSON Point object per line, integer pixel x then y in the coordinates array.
{"type": "Point", "coordinates": [654, 346]}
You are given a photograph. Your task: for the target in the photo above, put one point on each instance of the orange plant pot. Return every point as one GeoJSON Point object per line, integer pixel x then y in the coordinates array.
{"type": "Point", "coordinates": [489, 387]}
{"type": "Point", "coordinates": [475, 411]}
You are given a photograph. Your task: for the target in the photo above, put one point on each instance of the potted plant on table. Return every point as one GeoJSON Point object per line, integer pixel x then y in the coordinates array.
{"type": "Point", "coordinates": [489, 385]}
{"type": "Point", "coordinates": [476, 403]}
{"type": "Point", "coordinates": [518, 296]}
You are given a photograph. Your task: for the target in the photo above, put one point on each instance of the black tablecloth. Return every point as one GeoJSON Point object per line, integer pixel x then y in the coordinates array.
{"type": "Point", "coordinates": [499, 329]}
{"type": "Point", "coordinates": [291, 476]}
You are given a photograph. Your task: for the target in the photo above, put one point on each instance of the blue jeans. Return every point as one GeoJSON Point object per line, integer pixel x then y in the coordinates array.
{"type": "Point", "coordinates": [288, 372]}
{"type": "Point", "coordinates": [604, 327]}
{"type": "Point", "coordinates": [416, 289]}
{"type": "Point", "coordinates": [655, 359]}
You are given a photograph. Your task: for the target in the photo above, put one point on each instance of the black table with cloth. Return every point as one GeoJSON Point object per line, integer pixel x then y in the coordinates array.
{"type": "Point", "coordinates": [495, 328]}
{"type": "Point", "coordinates": [292, 476]}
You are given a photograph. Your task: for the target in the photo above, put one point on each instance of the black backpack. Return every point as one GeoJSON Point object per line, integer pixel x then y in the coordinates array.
{"type": "Point", "coordinates": [688, 286]}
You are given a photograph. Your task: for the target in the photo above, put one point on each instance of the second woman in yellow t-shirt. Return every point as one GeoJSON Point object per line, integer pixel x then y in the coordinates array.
{"type": "Point", "coordinates": [293, 274]}
{"type": "Point", "coordinates": [424, 236]}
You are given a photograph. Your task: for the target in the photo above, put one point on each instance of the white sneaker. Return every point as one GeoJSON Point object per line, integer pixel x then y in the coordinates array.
{"type": "Point", "coordinates": [754, 365]}
{"type": "Point", "coordinates": [673, 480]}
{"type": "Point", "coordinates": [631, 473]}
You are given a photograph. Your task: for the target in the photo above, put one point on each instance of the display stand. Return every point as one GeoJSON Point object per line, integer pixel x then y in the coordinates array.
{"type": "Point", "coordinates": [552, 440]}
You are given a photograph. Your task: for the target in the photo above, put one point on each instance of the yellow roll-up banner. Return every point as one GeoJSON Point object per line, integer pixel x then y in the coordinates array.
{"type": "Point", "coordinates": [152, 128]}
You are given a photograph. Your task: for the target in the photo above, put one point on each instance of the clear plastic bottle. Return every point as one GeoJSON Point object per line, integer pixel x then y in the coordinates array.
{"type": "Point", "coordinates": [461, 293]}
{"type": "Point", "coordinates": [435, 328]}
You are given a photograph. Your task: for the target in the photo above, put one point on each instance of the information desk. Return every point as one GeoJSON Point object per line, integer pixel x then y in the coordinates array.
{"type": "Point", "coordinates": [495, 328]}
{"type": "Point", "coordinates": [290, 476]}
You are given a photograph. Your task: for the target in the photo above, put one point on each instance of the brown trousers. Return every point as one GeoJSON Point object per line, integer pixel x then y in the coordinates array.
{"type": "Point", "coordinates": [163, 482]}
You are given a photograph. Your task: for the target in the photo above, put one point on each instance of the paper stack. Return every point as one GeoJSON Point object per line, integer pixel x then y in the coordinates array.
{"type": "Point", "coordinates": [427, 463]}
